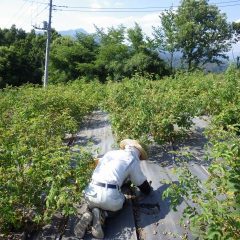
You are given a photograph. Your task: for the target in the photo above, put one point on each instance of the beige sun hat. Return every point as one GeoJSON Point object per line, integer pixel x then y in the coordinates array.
{"type": "Point", "coordinates": [136, 144]}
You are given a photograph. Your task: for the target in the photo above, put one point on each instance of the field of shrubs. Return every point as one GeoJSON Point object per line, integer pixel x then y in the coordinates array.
{"type": "Point", "coordinates": [37, 177]}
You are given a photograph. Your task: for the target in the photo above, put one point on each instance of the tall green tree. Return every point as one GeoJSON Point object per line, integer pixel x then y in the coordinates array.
{"type": "Point", "coordinates": [165, 35]}
{"type": "Point", "coordinates": [136, 38]}
{"type": "Point", "coordinates": [21, 57]}
{"type": "Point", "coordinates": [198, 30]}
{"type": "Point", "coordinates": [12, 35]}
{"type": "Point", "coordinates": [72, 58]}
{"type": "Point", "coordinates": [87, 67]}
{"type": "Point", "coordinates": [143, 57]}
{"type": "Point", "coordinates": [113, 53]}
{"type": "Point", "coordinates": [203, 33]}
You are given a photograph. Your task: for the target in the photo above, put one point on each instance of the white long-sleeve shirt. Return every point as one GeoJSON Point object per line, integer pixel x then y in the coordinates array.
{"type": "Point", "coordinates": [118, 165]}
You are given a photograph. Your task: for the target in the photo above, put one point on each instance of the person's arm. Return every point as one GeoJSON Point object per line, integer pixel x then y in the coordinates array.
{"type": "Point", "coordinates": [138, 179]}
{"type": "Point", "coordinates": [145, 187]}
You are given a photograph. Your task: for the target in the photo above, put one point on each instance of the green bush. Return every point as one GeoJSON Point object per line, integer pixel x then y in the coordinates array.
{"type": "Point", "coordinates": [37, 177]}
{"type": "Point", "coordinates": [215, 213]}
{"type": "Point", "coordinates": [145, 109]}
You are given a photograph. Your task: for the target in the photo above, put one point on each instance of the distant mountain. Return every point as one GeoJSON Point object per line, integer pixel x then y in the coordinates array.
{"type": "Point", "coordinates": [209, 67]}
{"type": "Point", "coordinates": [72, 32]}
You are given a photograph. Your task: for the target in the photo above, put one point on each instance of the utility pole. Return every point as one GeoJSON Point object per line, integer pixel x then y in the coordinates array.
{"type": "Point", "coordinates": [45, 80]}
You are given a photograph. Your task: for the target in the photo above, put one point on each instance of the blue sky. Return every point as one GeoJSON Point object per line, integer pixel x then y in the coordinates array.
{"type": "Point", "coordinates": [25, 13]}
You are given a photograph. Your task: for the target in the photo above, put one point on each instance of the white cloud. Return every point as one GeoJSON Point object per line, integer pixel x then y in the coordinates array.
{"type": "Point", "coordinates": [148, 21]}
{"type": "Point", "coordinates": [87, 22]}
{"type": "Point", "coordinates": [95, 5]}
{"type": "Point", "coordinates": [118, 4]}
{"type": "Point", "coordinates": [100, 3]}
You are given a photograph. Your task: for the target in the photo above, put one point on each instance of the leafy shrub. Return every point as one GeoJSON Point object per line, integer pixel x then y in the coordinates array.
{"type": "Point", "coordinates": [39, 175]}
{"type": "Point", "coordinates": [142, 108]}
{"type": "Point", "coordinates": [214, 213]}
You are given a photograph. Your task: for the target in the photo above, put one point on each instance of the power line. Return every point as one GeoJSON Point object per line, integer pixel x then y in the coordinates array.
{"type": "Point", "coordinates": [225, 2]}
{"type": "Point", "coordinates": [132, 9]}
{"type": "Point", "coordinates": [230, 5]}
{"type": "Point", "coordinates": [113, 8]}
{"type": "Point", "coordinates": [147, 7]}
{"type": "Point", "coordinates": [122, 11]}
{"type": "Point", "coordinates": [39, 13]}
{"type": "Point", "coordinates": [35, 17]}
{"type": "Point", "coordinates": [38, 2]}
{"type": "Point", "coordinates": [17, 14]}
{"type": "Point", "coordinates": [103, 11]}
{"type": "Point", "coordinates": [20, 16]}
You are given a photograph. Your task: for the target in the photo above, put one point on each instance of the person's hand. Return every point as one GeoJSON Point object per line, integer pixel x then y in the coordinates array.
{"type": "Point", "coordinates": [127, 183]}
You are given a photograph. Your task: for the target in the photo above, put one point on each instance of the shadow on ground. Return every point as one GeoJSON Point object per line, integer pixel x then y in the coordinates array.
{"type": "Point", "coordinates": [152, 207]}
{"type": "Point", "coordinates": [194, 146]}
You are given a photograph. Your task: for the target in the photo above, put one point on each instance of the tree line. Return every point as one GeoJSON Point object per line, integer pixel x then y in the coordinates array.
{"type": "Point", "coordinates": [197, 32]}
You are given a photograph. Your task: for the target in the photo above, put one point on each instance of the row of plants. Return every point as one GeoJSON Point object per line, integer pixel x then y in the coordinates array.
{"type": "Point", "coordinates": [163, 110]}
{"type": "Point", "coordinates": [39, 175]}
{"type": "Point", "coordinates": [216, 210]}
{"type": "Point", "coordinates": [143, 108]}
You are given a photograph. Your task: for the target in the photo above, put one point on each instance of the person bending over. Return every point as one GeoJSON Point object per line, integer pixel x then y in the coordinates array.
{"type": "Point", "coordinates": [103, 194]}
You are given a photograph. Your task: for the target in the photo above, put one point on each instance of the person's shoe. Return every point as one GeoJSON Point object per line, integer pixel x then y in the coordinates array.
{"type": "Point", "coordinates": [83, 223]}
{"type": "Point", "coordinates": [98, 221]}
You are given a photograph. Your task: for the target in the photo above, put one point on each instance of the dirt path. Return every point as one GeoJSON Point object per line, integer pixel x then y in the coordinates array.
{"type": "Point", "coordinates": [163, 223]}
{"type": "Point", "coordinates": [96, 135]}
